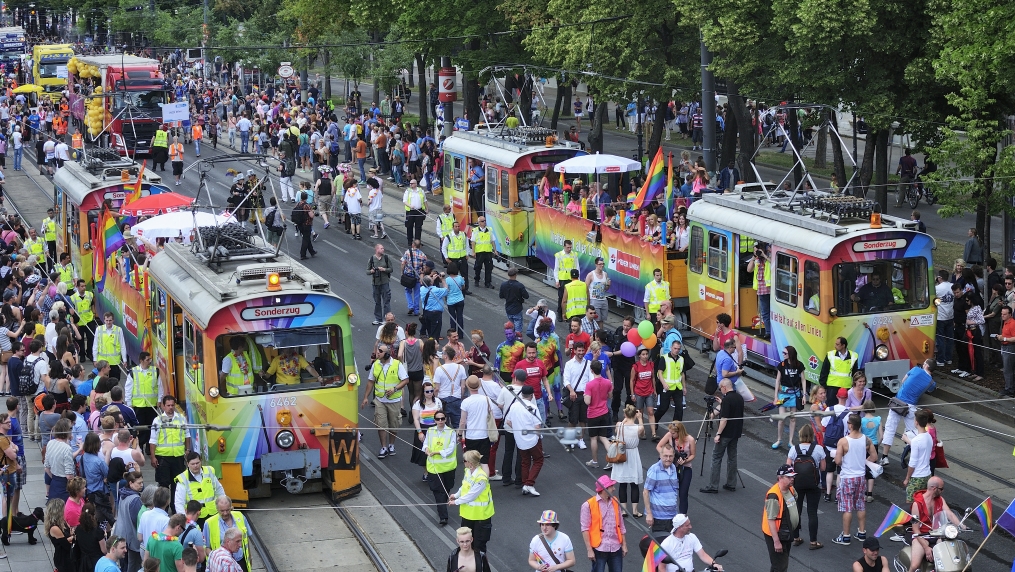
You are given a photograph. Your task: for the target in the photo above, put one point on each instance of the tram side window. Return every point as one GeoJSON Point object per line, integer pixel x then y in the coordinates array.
{"type": "Point", "coordinates": [448, 173]}
{"type": "Point", "coordinates": [812, 287]}
{"type": "Point", "coordinates": [881, 286]}
{"type": "Point", "coordinates": [787, 274]}
{"type": "Point", "coordinates": [697, 248]}
{"type": "Point", "coordinates": [505, 189]}
{"type": "Point", "coordinates": [193, 347]}
{"type": "Point", "coordinates": [459, 173]}
{"type": "Point", "coordinates": [75, 225]}
{"type": "Point", "coordinates": [527, 182]}
{"type": "Point", "coordinates": [159, 314]}
{"type": "Point", "coordinates": [492, 178]}
{"type": "Point", "coordinates": [718, 256]}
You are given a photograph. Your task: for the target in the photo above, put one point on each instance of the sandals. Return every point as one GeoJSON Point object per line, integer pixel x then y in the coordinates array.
{"type": "Point", "coordinates": [638, 514]}
{"type": "Point", "coordinates": [977, 378]}
{"type": "Point", "coordinates": [798, 541]}
{"type": "Point", "coordinates": [816, 545]}
{"type": "Point", "coordinates": [623, 513]}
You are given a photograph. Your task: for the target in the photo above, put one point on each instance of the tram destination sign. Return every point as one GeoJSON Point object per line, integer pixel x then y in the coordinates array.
{"type": "Point", "coordinates": [881, 244]}
{"type": "Point", "coordinates": [273, 312]}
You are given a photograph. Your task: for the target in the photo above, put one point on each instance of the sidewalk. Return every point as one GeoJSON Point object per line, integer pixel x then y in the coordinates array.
{"type": "Point", "coordinates": [21, 556]}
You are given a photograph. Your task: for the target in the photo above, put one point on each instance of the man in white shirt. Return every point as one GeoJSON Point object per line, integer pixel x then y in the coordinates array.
{"type": "Point", "coordinates": [243, 126]}
{"type": "Point", "coordinates": [523, 422]}
{"type": "Point", "coordinates": [62, 153]}
{"type": "Point", "coordinates": [508, 398]}
{"type": "Point", "coordinates": [476, 408]}
{"type": "Point", "coordinates": [448, 379]}
{"type": "Point", "coordinates": [493, 389]}
{"type": "Point", "coordinates": [576, 374]}
{"type": "Point", "coordinates": [943, 346]}
{"type": "Point", "coordinates": [920, 448]}
{"type": "Point", "coordinates": [389, 318]}
{"type": "Point", "coordinates": [681, 546]}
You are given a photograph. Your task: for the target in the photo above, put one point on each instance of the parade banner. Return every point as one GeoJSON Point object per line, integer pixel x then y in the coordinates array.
{"type": "Point", "coordinates": [629, 261]}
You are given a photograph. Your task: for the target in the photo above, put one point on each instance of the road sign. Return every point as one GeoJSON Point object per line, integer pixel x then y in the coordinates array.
{"type": "Point", "coordinates": [286, 70]}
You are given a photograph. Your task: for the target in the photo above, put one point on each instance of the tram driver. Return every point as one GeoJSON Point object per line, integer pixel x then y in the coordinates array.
{"type": "Point", "coordinates": [286, 368]}
{"type": "Point", "coordinates": [874, 294]}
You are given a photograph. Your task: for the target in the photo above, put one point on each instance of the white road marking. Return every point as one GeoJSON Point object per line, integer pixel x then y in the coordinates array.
{"type": "Point", "coordinates": [329, 243]}
{"type": "Point", "coordinates": [755, 477]}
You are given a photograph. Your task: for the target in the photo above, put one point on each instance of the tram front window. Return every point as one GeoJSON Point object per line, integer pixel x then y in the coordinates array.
{"type": "Point", "coordinates": [881, 286]}
{"type": "Point", "coordinates": [279, 361]}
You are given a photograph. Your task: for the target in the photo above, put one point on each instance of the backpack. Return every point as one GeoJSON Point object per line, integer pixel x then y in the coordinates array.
{"type": "Point", "coordinates": [333, 148]}
{"type": "Point", "coordinates": [298, 216]}
{"type": "Point", "coordinates": [807, 477]}
{"type": "Point", "coordinates": [26, 379]}
{"type": "Point", "coordinates": [834, 430]}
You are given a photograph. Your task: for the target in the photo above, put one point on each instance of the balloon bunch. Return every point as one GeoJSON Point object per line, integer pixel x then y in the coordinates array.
{"type": "Point", "coordinates": [643, 335]}
{"type": "Point", "coordinates": [95, 113]}
{"type": "Point", "coordinates": [81, 69]}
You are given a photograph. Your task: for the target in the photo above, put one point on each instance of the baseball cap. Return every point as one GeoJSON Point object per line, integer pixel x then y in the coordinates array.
{"type": "Point", "coordinates": [842, 393]}
{"type": "Point", "coordinates": [786, 471]}
{"type": "Point", "coordinates": [871, 543]}
{"type": "Point", "coordinates": [679, 520]}
{"type": "Point", "coordinates": [528, 390]}
{"type": "Point", "coordinates": [668, 320]}
{"type": "Point", "coordinates": [521, 375]}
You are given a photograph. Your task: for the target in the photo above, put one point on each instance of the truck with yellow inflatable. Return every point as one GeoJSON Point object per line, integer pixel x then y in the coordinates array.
{"type": "Point", "coordinates": [49, 68]}
{"type": "Point", "coordinates": [117, 100]}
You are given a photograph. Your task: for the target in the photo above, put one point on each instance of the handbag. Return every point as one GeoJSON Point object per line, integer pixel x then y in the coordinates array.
{"type": "Point", "coordinates": [616, 449]}
{"type": "Point", "coordinates": [898, 407]}
{"type": "Point", "coordinates": [939, 456]}
{"type": "Point", "coordinates": [410, 280]}
{"type": "Point", "coordinates": [492, 432]}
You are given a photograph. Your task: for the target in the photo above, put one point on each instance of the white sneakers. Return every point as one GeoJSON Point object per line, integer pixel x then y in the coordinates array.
{"type": "Point", "coordinates": [527, 490]}
{"type": "Point", "coordinates": [581, 444]}
{"type": "Point", "coordinates": [497, 477]}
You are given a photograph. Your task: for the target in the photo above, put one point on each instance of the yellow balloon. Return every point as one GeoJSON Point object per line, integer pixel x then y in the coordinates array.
{"type": "Point", "coordinates": [94, 132]}
{"type": "Point", "coordinates": [650, 342]}
{"type": "Point", "coordinates": [98, 89]}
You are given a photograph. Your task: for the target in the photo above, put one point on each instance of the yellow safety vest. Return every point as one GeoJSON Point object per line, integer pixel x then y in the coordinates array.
{"type": "Point", "coordinates": [109, 345]}
{"type": "Point", "coordinates": [768, 275]}
{"type": "Point", "coordinates": [36, 247]}
{"type": "Point", "coordinates": [840, 371]}
{"type": "Point", "coordinates": [67, 275]}
{"type": "Point", "coordinates": [671, 375]}
{"type": "Point", "coordinates": [565, 263]}
{"type": "Point", "coordinates": [49, 229]}
{"type": "Point", "coordinates": [145, 391]}
{"type": "Point", "coordinates": [480, 508]}
{"type": "Point", "coordinates": [422, 200]}
{"type": "Point", "coordinates": [202, 491]}
{"type": "Point", "coordinates": [215, 534]}
{"type": "Point", "coordinates": [83, 306]}
{"type": "Point", "coordinates": [577, 298]}
{"type": "Point", "coordinates": [236, 379]}
{"type": "Point", "coordinates": [384, 381]}
{"type": "Point", "coordinates": [657, 294]}
{"type": "Point", "coordinates": [483, 240]}
{"type": "Point", "coordinates": [447, 223]}
{"type": "Point", "coordinates": [438, 440]}
{"type": "Point", "coordinates": [456, 246]}
{"type": "Point", "coordinates": [172, 438]}
{"type": "Point", "coordinates": [161, 139]}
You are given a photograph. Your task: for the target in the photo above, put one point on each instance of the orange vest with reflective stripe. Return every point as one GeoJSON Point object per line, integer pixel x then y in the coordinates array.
{"type": "Point", "coordinates": [595, 532]}
{"type": "Point", "coordinates": [176, 152]}
{"type": "Point", "coordinates": [782, 505]}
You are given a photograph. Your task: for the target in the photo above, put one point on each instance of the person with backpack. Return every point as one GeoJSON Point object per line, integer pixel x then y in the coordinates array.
{"type": "Point", "coordinates": [193, 535]}
{"type": "Point", "coordinates": [274, 219]}
{"type": "Point", "coordinates": [790, 389]}
{"type": "Point", "coordinates": [809, 461]}
{"type": "Point", "coordinates": [835, 429]}
{"type": "Point", "coordinates": [303, 218]}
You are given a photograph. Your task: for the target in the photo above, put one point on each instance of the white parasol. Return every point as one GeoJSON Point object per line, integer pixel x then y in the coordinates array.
{"type": "Point", "coordinates": [597, 164]}
{"type": "Point", "coordinates": [171, 225]}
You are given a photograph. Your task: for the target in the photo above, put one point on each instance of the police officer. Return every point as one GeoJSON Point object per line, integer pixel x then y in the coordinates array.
{"type": "Point", "coordinates": [83, 301]}
{"type": "Point", "coordinates": [656, 292]}
{"type": "Point", "coordinates": [36, 247]}
{"type": "Point", "coordinates": [482, 245]}
{"type": "Point", "coordinates": [576, 296]}
{"type": "Point", "coordinates": [49, 233]}
{"type": "Point", "coordinates": [563, 262]}
{"type": "Point", "coordinates": [455, 248]}
{"type": "Point", "coordinates": [110, 346]}
{"type": "Point", "coordinates": [143, 391]}
{"type": "Point", "coordinates": [66, 272]}
{"type": "Point", "coordinates": [160, 148]}
{"type": "Point", "coordinates": [198, 483]}
{"type": "Point", "coordinates": [169, 435]}
{"type": "Point", "coordinates": [445, 222]}
{"type": "Point", "coordinates": [838, 368]}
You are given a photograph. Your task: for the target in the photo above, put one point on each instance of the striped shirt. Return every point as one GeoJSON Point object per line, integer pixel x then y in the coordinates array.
{"type": "Point", "coordinates": [221, 560]}
{"type": "Point", "coordinates": [662, 485]}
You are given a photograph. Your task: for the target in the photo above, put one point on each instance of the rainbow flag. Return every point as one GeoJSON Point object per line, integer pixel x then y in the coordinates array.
{"type": "Point", "coordinates": [1007, 519]}
{"type": "Point", "coordinates": [654, 183]}
{"type": "Point", "coordinates": [111, 237]}
{"type": "Point", "coordinates": [653, 557]}
{"type": "Point", "coordinates": [99, 262]}
{"type": "Point", "coordinates": [895, 517]}
{"type": "Point", "coordinates": [669, 184]}
{"type": "Point", "coordinates": [135, 194]}
{"type": "Point", "coordinates": [985, 512]}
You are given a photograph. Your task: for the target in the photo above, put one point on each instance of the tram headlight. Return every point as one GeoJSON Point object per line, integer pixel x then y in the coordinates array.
{"type": "Point", "coordinates": [285, 438]}
{"type": "Point", "coordinates": [881, 352]}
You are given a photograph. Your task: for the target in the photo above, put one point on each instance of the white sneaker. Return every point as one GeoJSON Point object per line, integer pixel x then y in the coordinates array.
{"type": "Point", "coordinates": [581, 444]}
{"type": "Point", "coordinates": [497, 477]}
{"type": "Point", "coordinates": [897, 538]}
{"type": "Point", "coordinates": [532, 491]}
{"type": "Point", "coordinates": [391, 449]}
{"type": "Point", "coordinates": [884, 461]}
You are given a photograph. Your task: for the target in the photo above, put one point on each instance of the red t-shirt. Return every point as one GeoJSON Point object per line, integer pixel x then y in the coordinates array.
{"type": "Point", "coordinates": [644, 385]}
{"type": "Point", "coordinates": [570, 340]}
{"type": "Point", "coordinates": [600, 389]}
{"type": "Point", "coordinates": [536, 371]}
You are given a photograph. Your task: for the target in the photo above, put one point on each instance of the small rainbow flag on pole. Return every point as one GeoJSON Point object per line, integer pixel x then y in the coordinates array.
{"type": "Point", "coordinates": [895, 517]}
{"type": "Point", "coordinates": [653, 557]}
{"type": "Point", "coordinates": [985, 512]}
{"type": "Point", "coordinates": [111, 236]}
{"type": "Point", "coordinates": [669, 185]}
{"type": "Point", "coordinates": [135, 193]}
{"type": "Point", "coordinates": [654, 184]}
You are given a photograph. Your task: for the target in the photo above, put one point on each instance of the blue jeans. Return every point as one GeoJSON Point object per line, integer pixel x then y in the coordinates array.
{"type": "Point", "coordinates": [453, 407]}
{"type": "Point", "coordinates": [412, 298]}
{"type": "Point", "coordinates": [362, 171]}
{"type": "Point", "coordinates": [244, 141]}
{"type": "Point", "coordinates": [516, 319]}
{"type": "Point", "coordinates": [17, 158]}
{"type": "Point", "coordinates": [197, 146]}
{"type": "Point", "coordinates": [943, 345]}
{"type": "Point", "coordinates": [765, 309]}
{"type": "Point", "coordinates": [615, 560]}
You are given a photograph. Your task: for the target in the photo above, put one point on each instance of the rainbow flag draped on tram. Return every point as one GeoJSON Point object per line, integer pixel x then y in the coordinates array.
{"type": "Point", "coordinates": [112, 239]}
{"type": "Point", "coordinates": [654, 184]}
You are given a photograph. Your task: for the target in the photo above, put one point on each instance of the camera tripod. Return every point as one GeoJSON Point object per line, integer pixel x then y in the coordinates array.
{"type": "Point", "coordinates": [706, 426]}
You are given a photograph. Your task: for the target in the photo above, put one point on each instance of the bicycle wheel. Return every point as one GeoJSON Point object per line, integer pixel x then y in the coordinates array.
{"type": "Point", "coordinates": [913, 196]}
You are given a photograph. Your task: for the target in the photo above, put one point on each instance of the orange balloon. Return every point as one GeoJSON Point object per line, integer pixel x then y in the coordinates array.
{"type": "Point", "coordinates": [650, 342]}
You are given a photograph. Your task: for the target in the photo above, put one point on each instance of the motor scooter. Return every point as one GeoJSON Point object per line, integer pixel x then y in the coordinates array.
{"type": "Point", "coordinates": [950, 553]}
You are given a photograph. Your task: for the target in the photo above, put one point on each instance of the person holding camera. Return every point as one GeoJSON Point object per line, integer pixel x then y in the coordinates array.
{"type": "Point", "coordinates": [731, 426]}
{"type": "Point", "coordinates": [432, 295]}
{"type": "Point", "coordinates": [762, 270]}
{"type": "Point", "coordinates": [536, 313]}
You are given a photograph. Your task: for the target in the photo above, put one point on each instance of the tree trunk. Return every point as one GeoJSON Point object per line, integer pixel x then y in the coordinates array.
{"type": "Point", "coordinates": [982, 217]}
{"type": "Point", "coordinates": [599, 117]}
{"type": "Point", "coordinates": [565, 110]}
{"type": "Point", "coordinates": [729, 141]}
{"type": "Point", "coordinates": [525, 99]}
{"type": "Point", "coordinates": [881, 167]}
{"type": "Point", "coordinates": [745, 131]}
{"type": "Point", "coordinates": [656, 138]}
{"type": "Point", "coordinates": [327, 75]}
{"type": "Point", "coordinates": [411, 64]}
{"type": "Point", "coordinates": [794, 138]}
{"type": "Point", "coordinates": [423, 97]}
{"type": "Point", "coordinates": [821, 148]}
{"type": "Point", "coordinates": [557, 104]}
{"type": "Point", "coordinates": [866, 166]}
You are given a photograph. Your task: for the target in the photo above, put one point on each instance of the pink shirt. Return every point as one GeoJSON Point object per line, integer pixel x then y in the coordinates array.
{"type": "Point", "coordinates": [610, 542]}
{"type": "Point", "coordinates": [72, 511]}
{"type": "Point", "coordinates": [600, 389]}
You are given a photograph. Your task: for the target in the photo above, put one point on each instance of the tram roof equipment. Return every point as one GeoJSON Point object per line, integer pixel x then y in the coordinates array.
{"type": "Point", "coordinates": [503, 146]}
{"type": "Point", "coordinates": [101, 168]}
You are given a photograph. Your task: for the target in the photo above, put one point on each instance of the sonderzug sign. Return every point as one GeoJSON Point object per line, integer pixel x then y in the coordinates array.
{"type": "Point", "coordinates": [272, 312]}
{"type": "Point", "coordinates": [884, 244]}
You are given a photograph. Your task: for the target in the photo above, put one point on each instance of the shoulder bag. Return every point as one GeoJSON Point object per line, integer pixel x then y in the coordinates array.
{"type": "Point", "coordinates": [898, 406]}
{"type": "Point", "coordinates": [410, 280]}
{"type": "Point", "coordinates": [565, 399]}
{"type": "Point", "coordinates": [616, 450]}
{"type": "Point", "coordinates": [492, 432]}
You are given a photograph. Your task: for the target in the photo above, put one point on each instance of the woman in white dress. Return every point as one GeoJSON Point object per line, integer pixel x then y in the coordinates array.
{"type": "Point", "coordinates": [629, 474]}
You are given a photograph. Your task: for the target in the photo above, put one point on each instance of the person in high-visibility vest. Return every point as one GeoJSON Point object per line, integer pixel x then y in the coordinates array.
{"type": "Point", "coordinates": [576, 296]}
{"type": "Point", "coordinates": [197, 133]}
{"type": "Point", "coordinates": [656, 292]}
{"type": "Point", "coordinates": [455, 248]}
{"type": "Point", "coordinates": [482, 246]}
{"type": "Point", "coordinates": [385, 381]}
{"type": "Point", "coordinates": [198, 483]}
{"type": "Point", "coordinates": [475, 499]}
{"type": "Point", "coordinates": [84, 307]}
{"type": "Point", "coordinates": [237, 372]}
{"type": "Point", "coordinates": [36, 247]}
{"type": "Point", "coordinates": [781, 514]}
{"type": "Point", "coordinates": [49, 233]}
{"type": "Point", "coordinates": [160, 148]}
{"type": "Point", "coordinates": [441, 449]}
{"type": "Point", "coordinates": [603, 529]}
{"type": "Point", "coordinates": [563, 263]}
{"type": "Point", "coordinates": [171, 442]}
{"type": "Point", "coordinates": [761, 266]}
{"type": "Point", "coordinates": [110, 346]}
{"type": "Point", "coordinates": [445, 222]}
{"type": "Point", "coordinates": [143, 392]}
{"type": "Point", "coordinates": [66, 271]}
{"type": "Point", "coordinates": [216, 529]}
{"type": "Point", "coordinates": [838, 368]}
{"type": "Point", "coordinates": [176, 159]}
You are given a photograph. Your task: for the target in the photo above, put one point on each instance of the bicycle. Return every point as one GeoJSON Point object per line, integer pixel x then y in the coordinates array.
{"type": "Point", "coordinates": [916, 191]}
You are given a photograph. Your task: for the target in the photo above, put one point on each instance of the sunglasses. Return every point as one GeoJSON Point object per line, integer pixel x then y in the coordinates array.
{"type": "Point", "coordinates": [428, 391]}
{"type": "Point", "coordinates": [439, 418]}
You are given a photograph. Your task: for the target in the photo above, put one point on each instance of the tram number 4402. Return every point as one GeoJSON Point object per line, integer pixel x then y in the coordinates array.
{"type": "Point", "coordinates": [282, 402]}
